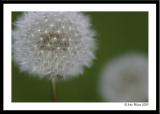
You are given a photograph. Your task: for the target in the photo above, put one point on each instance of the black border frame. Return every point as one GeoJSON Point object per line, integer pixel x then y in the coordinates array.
{"type": "Point", "coordinates": [94, 2]}
{"type": "Point", "coordinates": [80, 1]}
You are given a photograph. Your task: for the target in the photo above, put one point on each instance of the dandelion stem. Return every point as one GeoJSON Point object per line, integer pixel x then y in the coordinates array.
{"type": "Point", "coordinates": [54, 90]}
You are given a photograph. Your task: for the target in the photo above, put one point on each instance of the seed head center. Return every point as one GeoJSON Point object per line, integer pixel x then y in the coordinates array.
{"type": "Point", "coordinates": [53, 41]}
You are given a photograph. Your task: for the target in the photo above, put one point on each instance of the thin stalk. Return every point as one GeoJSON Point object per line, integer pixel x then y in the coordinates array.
{"type": "Point", "coordinates": [54, 90]}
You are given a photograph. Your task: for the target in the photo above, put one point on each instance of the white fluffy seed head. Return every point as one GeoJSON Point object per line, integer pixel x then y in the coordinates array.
{"type": "Point", "coordinates": [125, 79]}
{"type": "Point", "coordinates": [53, 44]}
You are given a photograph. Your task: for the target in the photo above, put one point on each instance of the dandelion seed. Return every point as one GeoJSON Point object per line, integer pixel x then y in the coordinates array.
{"type": "Point", "coordinates": [58, 48]}
{"type": "Point", "coordinates": [38, 30]}
{"type": "Point", "coordinates": [46, 20]}
{"type": "Point", "coordinates": [41, 38]}
{"type": "Point", "coordinates": [51, 25]}
{"type": "Point", "coordinates": [58, 31]}
{"type": "Point", "coordinates": [46, 31]}
{"type": "Point", "coordinates": [48, 45]}
{"type": "Point", "coordinates": [63, 27]}
{"type": "Point", "coordinates": [63, 39]}
{"type": "Point", "coordinates": [55, 38]}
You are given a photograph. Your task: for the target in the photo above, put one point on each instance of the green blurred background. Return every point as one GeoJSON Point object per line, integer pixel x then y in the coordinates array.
{"type": "Point", "coordinates": [117, 34]}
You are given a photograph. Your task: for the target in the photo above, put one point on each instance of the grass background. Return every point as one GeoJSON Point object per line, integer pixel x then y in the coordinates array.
{"type": "Point", "coordinates": [117, 33]}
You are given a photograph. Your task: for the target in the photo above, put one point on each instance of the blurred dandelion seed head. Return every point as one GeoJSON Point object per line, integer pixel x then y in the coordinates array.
{"type": "Point", "coordinates": [125, 79]}
{"type": "Point", "coordinates": [53, 44]}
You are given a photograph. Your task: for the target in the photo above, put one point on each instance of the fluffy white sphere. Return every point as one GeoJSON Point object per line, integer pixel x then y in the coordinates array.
{"type": "Point", "coordinates": [125, 79]}
{"type": "Point", "coordinates": [56, 45]}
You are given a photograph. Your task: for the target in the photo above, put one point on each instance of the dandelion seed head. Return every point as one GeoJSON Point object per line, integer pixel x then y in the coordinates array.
{"type": "Point", "coordinates": [45, 42]}
{"type": "Point", "coordinates": [125, 79]}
